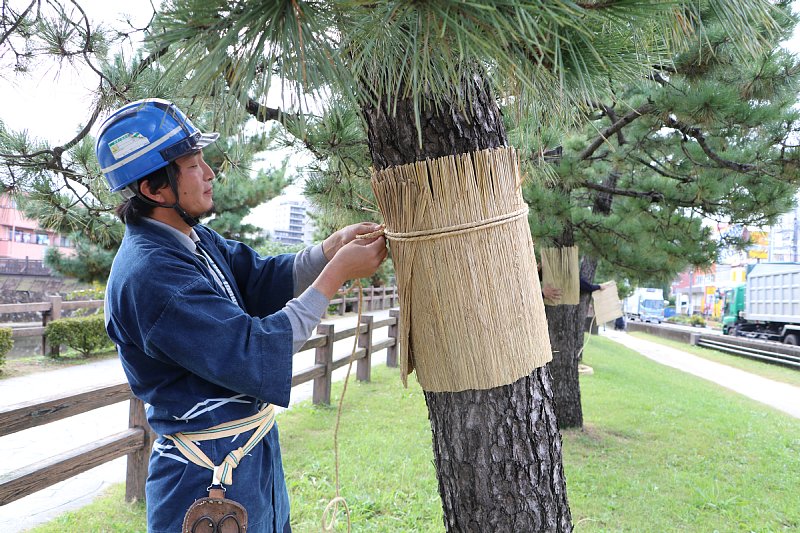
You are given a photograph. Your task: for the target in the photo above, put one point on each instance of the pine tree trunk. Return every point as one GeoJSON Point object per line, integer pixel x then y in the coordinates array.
{"type": "Point", "coordinates": [565, 324]}
{"type": "Point", "coordinates": [497, 452]}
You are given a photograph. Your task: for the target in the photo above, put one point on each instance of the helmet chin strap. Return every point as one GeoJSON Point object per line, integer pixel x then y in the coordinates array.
{"type": "Point", "coordinates": [173, 184]}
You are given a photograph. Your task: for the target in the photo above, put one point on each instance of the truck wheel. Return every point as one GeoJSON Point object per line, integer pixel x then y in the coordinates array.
{"type": "Point", "coordinates": [792, 339]}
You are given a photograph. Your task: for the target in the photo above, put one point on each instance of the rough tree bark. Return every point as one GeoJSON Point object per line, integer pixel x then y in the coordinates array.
{"type": "Point", "coordinates": [497, 452]}
{"type": "Point", "coordinates": [565, 324]}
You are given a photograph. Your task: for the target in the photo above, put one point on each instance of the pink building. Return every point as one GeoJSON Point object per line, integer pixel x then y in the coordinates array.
{"type": "Point", "coordinates": [22, 238]}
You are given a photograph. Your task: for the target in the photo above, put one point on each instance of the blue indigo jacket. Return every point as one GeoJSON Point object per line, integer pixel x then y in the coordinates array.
{"type": "Point", "coordinates": [197, 360]}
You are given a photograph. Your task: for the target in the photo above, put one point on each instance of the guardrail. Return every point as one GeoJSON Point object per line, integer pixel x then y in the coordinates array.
{"type": "Point", "coordinates": [136, 441]}
{"type": "Point", "coordinates": [766, 351]}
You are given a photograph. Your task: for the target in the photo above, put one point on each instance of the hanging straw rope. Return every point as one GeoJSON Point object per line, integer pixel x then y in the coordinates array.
{"type": "Point", "coordinates": [332, 509]}
{"type": "Point", "coordinates": [465, 267]}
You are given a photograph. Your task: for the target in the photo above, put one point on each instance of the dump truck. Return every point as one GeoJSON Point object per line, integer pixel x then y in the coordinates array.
{"type": "Point", "coordinates": [767, 305]}
{"type": "Point", "coordinates": [645, 304]}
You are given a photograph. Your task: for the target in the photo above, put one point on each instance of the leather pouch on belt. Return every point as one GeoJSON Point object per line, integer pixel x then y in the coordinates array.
{"type": "Point", "coordinates": [215, 514]}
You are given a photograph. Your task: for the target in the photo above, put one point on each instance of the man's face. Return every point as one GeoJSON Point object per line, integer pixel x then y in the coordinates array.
{"type": "Point", "coordinates": [195, 184]}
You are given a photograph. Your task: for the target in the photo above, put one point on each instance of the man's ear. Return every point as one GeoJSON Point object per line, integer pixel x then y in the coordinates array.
{"type": "Point", "coordinates": [158, 196]}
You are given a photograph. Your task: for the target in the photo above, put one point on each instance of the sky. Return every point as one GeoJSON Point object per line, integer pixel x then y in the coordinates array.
{"type": "Point", "coordinates": [51, 102]}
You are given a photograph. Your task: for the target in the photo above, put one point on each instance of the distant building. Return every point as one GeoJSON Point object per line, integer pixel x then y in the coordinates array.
{"type": "Point", "coordinates": [785, 238]}
{"type": "Point", "coordinates": [22, 239]}
{"type": "Point", "coordinates": [286, 219]}
{"type": "Point", "coordinates": [698, 291]}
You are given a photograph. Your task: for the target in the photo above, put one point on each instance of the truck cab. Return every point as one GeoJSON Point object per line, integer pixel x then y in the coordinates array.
{"type": "Point", "coordinates": [733, 308]}
{"type": "Point", "coordinates": [651, 310]}
{"type": "Point", "coordinates": [645, 304]}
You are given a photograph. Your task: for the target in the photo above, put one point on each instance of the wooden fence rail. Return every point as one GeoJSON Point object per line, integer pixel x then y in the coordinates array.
{"type": "Point", "coordinates": [373, 298]}
{"type": "Point", "coordinates": [137, 440]}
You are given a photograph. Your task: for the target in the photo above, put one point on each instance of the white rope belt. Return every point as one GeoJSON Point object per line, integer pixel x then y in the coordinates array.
{"type": "Point", "coordinates": [262, 422]}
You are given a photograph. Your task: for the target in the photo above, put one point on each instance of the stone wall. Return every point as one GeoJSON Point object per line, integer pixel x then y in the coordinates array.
{"type": "Point", "coordinates": [30, 289]}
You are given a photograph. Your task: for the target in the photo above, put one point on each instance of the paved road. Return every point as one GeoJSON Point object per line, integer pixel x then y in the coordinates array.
{"type": "Point", "coordinates": [32, 445]}
{"type": "Point", "coordinates": [781, 396]}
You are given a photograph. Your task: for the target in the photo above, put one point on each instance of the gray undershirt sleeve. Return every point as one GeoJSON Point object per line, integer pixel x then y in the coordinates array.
{"type": "Point", "coordinates": [304, 313]}
{"type": "Point", "coordinates": [308, 263]}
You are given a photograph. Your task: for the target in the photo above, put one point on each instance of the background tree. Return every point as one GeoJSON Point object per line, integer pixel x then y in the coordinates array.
{"type": "Point", "coordinates": [425, 77]}
{"type": "Point", "coordinates": [711, 136]}
{"type": "Point", "coordinates": [60, 185]}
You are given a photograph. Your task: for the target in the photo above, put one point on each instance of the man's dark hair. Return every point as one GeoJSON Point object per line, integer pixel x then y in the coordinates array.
{"type": "Point", "coordinates": [132, 210]}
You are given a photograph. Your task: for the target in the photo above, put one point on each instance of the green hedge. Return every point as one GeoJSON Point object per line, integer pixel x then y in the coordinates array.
{"type": "Point", "coordinates": [6, 343]}
{"type": "Point", "coordinates": [84, 334]}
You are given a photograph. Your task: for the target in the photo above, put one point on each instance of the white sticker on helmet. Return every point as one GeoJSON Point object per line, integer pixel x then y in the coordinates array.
{"type": "Point", "coordinates": [128, 143]}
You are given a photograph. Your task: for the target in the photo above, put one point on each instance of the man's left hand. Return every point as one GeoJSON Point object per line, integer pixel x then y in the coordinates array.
{"type": "Point", "coordinates": [332, 244]}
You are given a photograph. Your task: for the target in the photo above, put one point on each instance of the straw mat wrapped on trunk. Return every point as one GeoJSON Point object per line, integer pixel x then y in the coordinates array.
{"type": "Point", "coordinates": [471, 312]}
{"type": "Point", "coordinates": [607, 306]}
{"type": "Point", "coordinates": [560, 270]}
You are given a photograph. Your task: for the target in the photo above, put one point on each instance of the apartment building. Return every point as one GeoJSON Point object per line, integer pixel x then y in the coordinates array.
{"type": "Point", "coordinates": [286, 219]}
{"type": "Point", "coordinates": [21, 238]}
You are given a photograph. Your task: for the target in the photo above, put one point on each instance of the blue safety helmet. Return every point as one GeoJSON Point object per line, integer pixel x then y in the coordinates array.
{"type": "Point", "coordinates": [142, 137]}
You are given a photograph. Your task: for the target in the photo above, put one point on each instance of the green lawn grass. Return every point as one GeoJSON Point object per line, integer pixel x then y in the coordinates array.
{"type": "Point", "coordinates": [778, 373]}
{"type": "Point", "coordinates": [660, 451]}
{"type": "Point", "coordinates": [666, 451]}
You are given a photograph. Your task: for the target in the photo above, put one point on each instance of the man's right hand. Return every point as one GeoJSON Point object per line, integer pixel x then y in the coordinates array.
{"type": "Point", "coordinates": [551, 293]}
{"type": "Point", "coordinates": [359, 258]}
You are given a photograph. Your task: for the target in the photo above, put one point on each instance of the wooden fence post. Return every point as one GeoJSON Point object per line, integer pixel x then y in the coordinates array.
{"type": "Point", "coordinates": [323, 355]}
{"type": "Point", "coordinates": [55, 313]}
{"type": "Point", "coordinates": [343, 303]}
{"type": "Point", "coordinates": [372, 300]}
{"type": "Point", "coordinates": [364, 367]}
{"type": "Point", "coordinates": [391, 351]}
{"type": "Point", "coordinates": [138, 461]}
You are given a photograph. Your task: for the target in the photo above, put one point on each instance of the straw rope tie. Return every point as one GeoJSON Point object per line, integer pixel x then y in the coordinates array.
{"type": "Point", "coordinates": [449, 231]}
{"type": "Point", "coordinates": [331, 510]}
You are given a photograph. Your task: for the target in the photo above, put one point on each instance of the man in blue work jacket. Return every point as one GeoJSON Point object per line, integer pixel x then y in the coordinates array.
{"type": "Point", "coordinates": [205, 327]}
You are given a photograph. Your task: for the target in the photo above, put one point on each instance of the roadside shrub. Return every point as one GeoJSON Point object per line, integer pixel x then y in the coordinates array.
{"type": "Point", "coordinates": [6, 343]}
{"type": "Point", "coordinates": [697, 320]}
{"type": "Point", "coordinates": [84, 334]}
{"type": "Point", "coordinates": [96, 292]}
{"type": "Point", "coordinates": [678, 319]}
